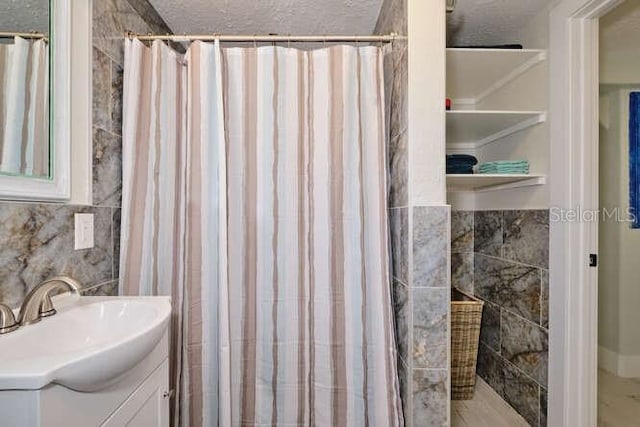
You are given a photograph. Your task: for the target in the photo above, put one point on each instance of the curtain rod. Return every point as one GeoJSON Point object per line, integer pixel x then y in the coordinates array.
{"type": "Point", "coordinates": [34, 35]}
{"type": "Point", "coordinates": [268, 38]}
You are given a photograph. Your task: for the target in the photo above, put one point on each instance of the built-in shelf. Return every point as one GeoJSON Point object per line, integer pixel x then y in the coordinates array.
{"type": "Point", "coordinates": [473, 74]}
{"type": "Point", "coordinates": [492, 182]}
{"type": "Point", "coordinates": [471, 129]}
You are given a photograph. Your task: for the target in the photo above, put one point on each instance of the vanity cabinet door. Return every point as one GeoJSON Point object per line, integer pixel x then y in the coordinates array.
{"type": "Point", "coordinates": [148, 406]}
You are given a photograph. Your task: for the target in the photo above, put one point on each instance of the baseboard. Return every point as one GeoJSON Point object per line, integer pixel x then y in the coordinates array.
{"type": "Point", "coordinates": [619, 364]}
{"type": "Point", "coordinates": [608, 360]}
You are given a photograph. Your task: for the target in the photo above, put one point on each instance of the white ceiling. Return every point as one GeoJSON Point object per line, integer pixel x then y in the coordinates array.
{"type": "Point", "coordinates": [620, 44]}
{"type": "Point", "coordinates": [24, 16]}
{"type": "Point", "coordinates": [473, 22]}
{"type": "Point", "coordinates": [490, 22]}
{"type": "Point", "coordinates": [270, 16]}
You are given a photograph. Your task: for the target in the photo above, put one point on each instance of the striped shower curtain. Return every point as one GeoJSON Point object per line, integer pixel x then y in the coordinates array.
{"type": "Point", "coordinates": [24, 107]}
{"type": "Point", "coordinates": [255, 194]}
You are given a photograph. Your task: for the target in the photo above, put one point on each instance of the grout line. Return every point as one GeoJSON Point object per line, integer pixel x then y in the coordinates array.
{"type": "Point", "coordinates": [97, 285]}
{"type": "Point", "coordinates": [522, 264]}
{"type": "Point", "coordinates": [539, 407]}
{"type": "Point", "coordinates": [514, 314]}
{"type": "Point", "coordinates": [541, 298]}
{"type": "Point", "coordinates": [400, 281]}
{"type": "Point", "coordinates": [500, 330]}
{"type": "Point", "coordinates": [504, 359]}
{"type": "Point", "coordinates": [502, 231]}
{"type": "Point", "coordinates": [431, 369]}
{"type": "Point", "coordinates": [109, 131]}
{"type": "Point", "coordinates": [113, 270]}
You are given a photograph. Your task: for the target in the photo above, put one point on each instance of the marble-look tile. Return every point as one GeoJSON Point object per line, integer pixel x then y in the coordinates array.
{"type": "Point", "coordinates": [526, 345]}
{"type": "Point", "coordinates": [430, 398]}
{"type": "Point", "coordinates": [116, 241]}
{"type": "Point", "coordinates": [101, 89]}
{"type": "Point", "coordinates": [430, 246]}
{"type": "Point", "coordinates": [522, 393]}
{"type": "Point", "coordinates": [399, 171]}
{"type": "Point", "coordinates": [107, 168]}
{"type": "Point", "coordinates": [404, 377]}
{"type": "Point", "coordinates": [401, 309]}
{"type": "Point", "coordinates": [38, 244]}
{"type": "Point", "coordinates": [526, 237]}
{"type": "Point", "coordinates": [387, 64]}
{"type": "Point", "coordinates": [462, 231]}
{"type": "Point", "coordinates": [487, 235]}
{"type": "Point", "coordinates": [111, 19]}
{"type": "Point", "coordinates": [543, 407]}
{"type": "Point", "coordinates": [151, 16]}
{"type": "Point", "coordinates": [392, 17]}
{"type": "Point", "coordinates": [116, 98]}
{"type": "Point", "coordinates": [430, 323]}
{"type": "Point", "coordinates": [512, 286]}
{"type": "Point", "coordinates": [108, 289]}
{"type": "Point", "coordinates": [490, 367]}
{"type": "Point", "coordinates": [462, 271]}
{"type": "Point", "coordinates": [399, 118]}
{"type": "Point", "coordinates": [544, 298]}
{"type": "Point", "coordinates": [399, 219]}
{"type": "Point", "coordinates": [490, 326]}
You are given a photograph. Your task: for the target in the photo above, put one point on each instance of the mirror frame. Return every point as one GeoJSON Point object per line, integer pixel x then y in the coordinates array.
{"type": "Point", "coordinates": [57, 187]}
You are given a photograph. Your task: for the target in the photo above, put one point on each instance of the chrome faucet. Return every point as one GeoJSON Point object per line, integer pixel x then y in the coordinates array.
{"type": "Point", "coordinates": [38, 304]}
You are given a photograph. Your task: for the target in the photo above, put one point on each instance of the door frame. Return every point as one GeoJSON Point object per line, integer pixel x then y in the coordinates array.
{"type": "Point", "coordinates": [573, 291]}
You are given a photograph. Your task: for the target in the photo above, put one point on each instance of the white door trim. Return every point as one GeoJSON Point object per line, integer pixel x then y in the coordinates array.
{"type": "Point", "coordinates": [573, 332]}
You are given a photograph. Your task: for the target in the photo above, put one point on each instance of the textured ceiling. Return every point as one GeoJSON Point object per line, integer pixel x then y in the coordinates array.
{"type": "Point", "coordinates": [270, 16]}
{"type": "Point", "coordinates": [24, 15]}
{"type": "Point", "coordinates": [489, 22]}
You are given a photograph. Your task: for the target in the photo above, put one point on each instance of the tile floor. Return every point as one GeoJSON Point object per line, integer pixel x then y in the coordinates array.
{"type": "Point", "coordinates": [618, 405]}
{"type": "Point", "coordinates": [618, 401]}
{"type": "Point", "coordinates": [486, 409]}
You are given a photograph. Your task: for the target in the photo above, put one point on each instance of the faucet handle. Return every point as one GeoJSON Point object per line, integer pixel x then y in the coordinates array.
{"type": "Point", "coordinates": [7, 320]}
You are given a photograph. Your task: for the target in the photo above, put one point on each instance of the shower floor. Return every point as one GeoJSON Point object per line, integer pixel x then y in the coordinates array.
{"type": "Point", "coordinates": [486, 409]}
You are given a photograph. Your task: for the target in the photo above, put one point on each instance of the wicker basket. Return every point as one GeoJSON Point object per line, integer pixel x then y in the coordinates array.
{"type": "Point", "coordinates": [466, 315]}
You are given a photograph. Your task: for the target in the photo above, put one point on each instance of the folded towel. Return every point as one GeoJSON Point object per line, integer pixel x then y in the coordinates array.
{"type": "Point", "coordinates": [505, 167]}
{"type": "Point", "coordinates": [461, 160]}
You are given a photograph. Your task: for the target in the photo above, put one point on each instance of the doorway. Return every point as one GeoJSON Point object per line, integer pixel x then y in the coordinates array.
{"type": "Point", "coordinates": [618, 230]}
{"type": "Point", "coordinates": [573, 365]}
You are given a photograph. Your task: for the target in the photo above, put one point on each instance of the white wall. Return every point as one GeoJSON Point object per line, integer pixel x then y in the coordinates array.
{"type": "Point", "coordinates": [620, 44]}
{"type": "Point", "coordinates": [427, 67]}
{"type": "Point", "coordinates": [619, 245]}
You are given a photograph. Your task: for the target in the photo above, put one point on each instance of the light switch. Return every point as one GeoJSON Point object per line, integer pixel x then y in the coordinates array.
{"type": "Point", "coordinates": [83, 231]}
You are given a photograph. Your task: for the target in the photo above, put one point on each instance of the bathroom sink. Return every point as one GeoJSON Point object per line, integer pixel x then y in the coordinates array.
{"type": "Point", "coordinates": [87, 346]}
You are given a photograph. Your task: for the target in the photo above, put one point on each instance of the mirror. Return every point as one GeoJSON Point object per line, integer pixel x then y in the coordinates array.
{"type": "Point", "coordinates": [35, 93]}
{"type": "Point", "coordinates": [24, 88]}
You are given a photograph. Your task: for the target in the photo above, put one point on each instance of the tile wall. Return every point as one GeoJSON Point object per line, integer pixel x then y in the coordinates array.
{"type": "Point", "coordinates": [419, 250]}
{"type": "Point", "coordinates": [503, 258]}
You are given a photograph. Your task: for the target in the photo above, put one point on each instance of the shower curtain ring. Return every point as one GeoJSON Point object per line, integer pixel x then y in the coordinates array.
{"type": "Point", "coordinates": [255, 42]}
{"type": "Point", "coordinates": [324, 41]}
{"type": "Point", "coordinates": [289, 41]}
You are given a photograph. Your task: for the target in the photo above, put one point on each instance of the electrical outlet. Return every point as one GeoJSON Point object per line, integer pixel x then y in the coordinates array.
{"type": "Point", "coordinates": [83, 231]}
